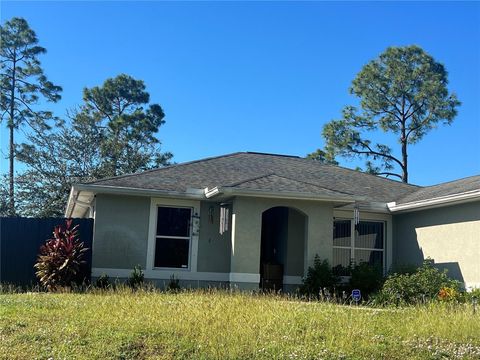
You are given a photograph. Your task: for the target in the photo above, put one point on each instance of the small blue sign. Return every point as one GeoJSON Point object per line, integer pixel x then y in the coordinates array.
{"type": "Point", "coordinates": [356, 295]}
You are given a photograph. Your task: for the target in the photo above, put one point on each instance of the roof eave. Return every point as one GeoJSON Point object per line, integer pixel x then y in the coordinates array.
{"type": "Point", "coordinates": [69, 202]}
{"type": "Point", "coordinates": [106, 189]}
{"type": "Point", "coordinates": [435, 202]}
{"type": "Point", "coordinates": [369, 206]}
{"type": "Point", "coordinates": [197, 194]}
{"type": "Point", "coordinates": [294, 195]}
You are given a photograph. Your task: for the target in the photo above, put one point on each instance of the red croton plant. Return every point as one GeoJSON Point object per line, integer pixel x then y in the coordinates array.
{"type": "Point", "coordinates": [60, 258]}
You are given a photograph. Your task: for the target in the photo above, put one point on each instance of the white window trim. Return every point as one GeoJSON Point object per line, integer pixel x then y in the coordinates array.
{"type": "Point", "coordinates": [353, 239]}
{"type": "Point", "coordinates": [152, 236]}
{"type": "Point", "coordinates": [387, 230]}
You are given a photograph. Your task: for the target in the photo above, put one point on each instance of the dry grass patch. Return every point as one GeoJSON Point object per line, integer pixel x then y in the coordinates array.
{"type": "Point", "coordinates": [221, 325]}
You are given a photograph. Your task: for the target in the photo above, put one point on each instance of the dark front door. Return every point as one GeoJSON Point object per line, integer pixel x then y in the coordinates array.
{"type": "Point", "coordinates": [273, 246]}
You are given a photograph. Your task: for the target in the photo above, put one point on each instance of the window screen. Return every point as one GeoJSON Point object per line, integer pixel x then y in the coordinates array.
{"type": "Point", "coordinates": [172, 244]}
{"type": "Point", "coordinates": [366, 246]}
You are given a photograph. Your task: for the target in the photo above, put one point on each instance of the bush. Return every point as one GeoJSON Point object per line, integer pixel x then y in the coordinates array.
{"type": "Point", "coordinates": [103, 282]}
{"type": "Point", "coordinates": [475, 293]}
{"type": "Point", "coordinates": [136, 278]}
{"type": "Point", "coordinates": [403, 269]}
{"type": "Point", "coordinates": [448, 294]}
{"type": "Point", "coordinates": [318, 277]}
{"type": "Point", "coordinates": [468, 296]}
{"type": "Point", "coordinates": [411, 288]}
{"type": "Point", "coordinates": [173, 285]}
{"type": "Point", "coordinates": [368, 278]}
{"type": "Point", "coordinates": [60, 259]}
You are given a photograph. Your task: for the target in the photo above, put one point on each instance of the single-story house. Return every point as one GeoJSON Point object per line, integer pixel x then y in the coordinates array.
{"type": "Point", "coordinates": [252, 219]}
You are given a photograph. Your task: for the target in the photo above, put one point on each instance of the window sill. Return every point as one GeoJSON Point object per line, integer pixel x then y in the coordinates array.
{"type": "Point", "coordinates": [170, 269]}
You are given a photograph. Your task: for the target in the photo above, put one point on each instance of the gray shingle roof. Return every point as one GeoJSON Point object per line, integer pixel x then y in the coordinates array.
{"type": "Point", "coordinates": [256, 171]}
{"type": "Point", "coordinates": [273, 182]}
{"type": "Point", "coordinates": [471, 183]}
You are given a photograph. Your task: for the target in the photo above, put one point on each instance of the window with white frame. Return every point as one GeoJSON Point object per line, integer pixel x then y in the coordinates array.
{"type": "Point", "coordinates": [173, 237]}
{"type": "Point", "coordinates": [366, 245]}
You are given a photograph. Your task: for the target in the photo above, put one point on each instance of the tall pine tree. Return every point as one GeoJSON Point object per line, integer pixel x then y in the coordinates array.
{"type": "Point", "coordinates": [22, 84]}
{"type": "Point", "coordinates": [121, 107]}
{"type": "Point", "coordinates": [404, 92]}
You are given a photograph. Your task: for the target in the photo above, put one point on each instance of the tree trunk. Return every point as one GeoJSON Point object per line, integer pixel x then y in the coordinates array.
{"type": "Point", "coordinates": [11, 155]}
{"type": "Point", "coordinates": [11, 190]}
{"type": "Point", "coordinates": [404, 155]}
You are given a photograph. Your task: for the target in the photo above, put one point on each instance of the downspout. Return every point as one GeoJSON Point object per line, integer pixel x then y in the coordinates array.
{"type": "Point", "coordinates": [73, 205]}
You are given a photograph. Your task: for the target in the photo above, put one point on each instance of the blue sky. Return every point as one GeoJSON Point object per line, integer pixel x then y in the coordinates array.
{"type": "Point", "coordinates": [260, 76]}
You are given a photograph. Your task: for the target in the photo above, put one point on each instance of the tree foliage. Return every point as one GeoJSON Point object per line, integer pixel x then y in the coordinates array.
{"type": "Point", "coordinates": [120, 107]}
{"type": "Point", "coordinates": [322, 156]}
{"type": "Point", "coordinates": [22, 84]}
{"type": "Point", "coordinates": [404, 92]}
{"type": "Point", "coordinates": [111, 134]}
{"type": "Point", "coordinates": [3, 195]}
{"type": "Point", "coordinates": [56, 159]}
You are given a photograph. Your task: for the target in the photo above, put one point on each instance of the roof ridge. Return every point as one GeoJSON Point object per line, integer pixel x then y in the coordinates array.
{"type": "Point", "coordinates": [452, 181]}
{"type": "Point", "coordinates": [337, 166]}
{"type": "Point", "coordinates": [309, 183]}
{"type": "Point", "coordinates": [364, 173]}
{"type": "Point", "coordinates": [271, 154]}
{"type": "Point", "coordinates": [250, 179]}
{"type": "Point", "coordinates": [165, 167]}
{"type": "Point", "coordinates": [288, 178]}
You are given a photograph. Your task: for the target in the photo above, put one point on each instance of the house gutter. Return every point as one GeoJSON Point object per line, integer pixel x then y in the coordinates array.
{"type": "Point", "coordinates": [104, 189]}
{"type": "Point", "coordinates": [368, 207]}
{"type": "Point", "coordinates": [197, 194]}
{"type": "Point", "coordinates": [69, 204]}
{"type": "Point", "coordinates": [435, 202]}
{"type": "Point", "coordinates": [73, 201]}
{"type": "Point", "coordinates": [210, 193]}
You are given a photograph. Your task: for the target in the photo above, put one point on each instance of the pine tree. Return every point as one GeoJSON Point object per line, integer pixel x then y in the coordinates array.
{"type": "Point", "coordinates": [22, 84]}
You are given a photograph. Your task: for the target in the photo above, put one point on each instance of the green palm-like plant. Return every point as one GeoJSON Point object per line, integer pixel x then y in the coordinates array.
{"type": "Point", "coordinates": [60, 258]}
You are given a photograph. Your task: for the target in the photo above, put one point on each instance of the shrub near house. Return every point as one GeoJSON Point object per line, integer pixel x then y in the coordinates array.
{"type": "Point", "coordinates": [423, 284]}
{"type": "Point", "coordinates": [58, 264]}
{"type": "Point", "coordinates": [319, 276]}
{"type": "Point", "coordinates": [413, 286]}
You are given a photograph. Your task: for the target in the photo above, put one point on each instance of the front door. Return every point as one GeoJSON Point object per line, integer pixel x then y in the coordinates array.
{"type": "Point", "coordinates": [273, 247]}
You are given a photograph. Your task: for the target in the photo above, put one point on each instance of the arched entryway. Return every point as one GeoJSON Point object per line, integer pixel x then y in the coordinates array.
{"type": "Point", "coordinates": [282, 246]}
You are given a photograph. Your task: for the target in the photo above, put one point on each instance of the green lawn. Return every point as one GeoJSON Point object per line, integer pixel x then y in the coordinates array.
{"type": "Point", "coordinates": [220, 325]}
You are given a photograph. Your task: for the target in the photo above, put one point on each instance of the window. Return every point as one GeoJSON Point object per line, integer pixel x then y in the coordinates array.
{"type": "Point", "coordinates": [342, 243]}
{"type": "Point", "coordinates": [367, 244]}
{"type": "Point", "coordinates": [172, 237]}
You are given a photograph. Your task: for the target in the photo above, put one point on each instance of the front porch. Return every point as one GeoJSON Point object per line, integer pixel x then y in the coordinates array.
{"type": "Point", "coordinates": [285, 233]}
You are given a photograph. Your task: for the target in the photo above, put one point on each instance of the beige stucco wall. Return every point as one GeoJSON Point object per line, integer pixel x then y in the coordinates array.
{"type": "Point", "coordinates": [247, 226]}
{"type": "Point", "coordinates": [122, 239]}
{"type": "Point", "coordinates": [121, 235]}
{"type": "Point", "coordinates": [213, 249]}
{"type": "Point", "coordinates": [449, 235]}
{"type": "Point", "coordinates": [294, 260]}
{"type": "Point", "coordinates": [120, 231]}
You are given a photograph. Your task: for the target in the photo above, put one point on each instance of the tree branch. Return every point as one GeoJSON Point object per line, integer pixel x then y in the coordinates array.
{"type": "Point", "coordinates": [422, 123]}
{"type": "Point", "coordinates": [373, 152]}
{"type": "Point", "coordinates": [101, 111]}
{"type": "Point", "coordinates": [389, 174]}
{"type": "Point", "coordinates": [414, 111]}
